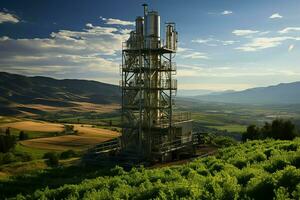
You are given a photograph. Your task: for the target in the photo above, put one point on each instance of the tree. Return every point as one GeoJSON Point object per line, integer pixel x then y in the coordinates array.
{"type": "Point", "coordinates": [278, 129]}
{"type": "Point", "coordinates": [52, 159]}
{"type": "Point", "coordinates": [7, 142]}
{"type": "Point", "coordinates": [283, 129]}
{"type": "Point", "coordinates": [7, 131]}
{"type": "Point", "coordinates": [68, 154]}
{"type": "Point", "coordinates": [252, 133]}
{"type": "Point", "coordinates": [23, 136]}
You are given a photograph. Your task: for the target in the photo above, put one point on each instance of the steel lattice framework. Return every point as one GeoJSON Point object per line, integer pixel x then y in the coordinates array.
{"type": "Point", "coordinates": [147, 95]}
{"type": "Point", "coordinates": [149, 126]}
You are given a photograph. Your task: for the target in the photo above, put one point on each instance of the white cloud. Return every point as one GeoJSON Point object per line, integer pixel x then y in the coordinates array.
{"type": "Point", "coordinates": [187, 53]}
{"type": "Point", "coordinates": [112, 21]}
{"type": "Point", "coordinates": [196, 55]}
{"type": "Point", "coordinates": [227, 12]}
{"type": "Point", "coordinates": [264, 32]}
{"type": "Point", "coordinates": [291, 47]}
{"type": "Point", "coordinates": [214, 42]}
{"type": "Point", "coordinates": [244, 32]}
{"type": "Point", "coordinates": [7, 17]}
{"type": "Point", "coordinates": [181, 49]}
{"type": "Point", "coordinates": [289, 29]}
{"type": "Point", "coordinates": [264, 43]}
{"type": "Point", "coordinates": [89, 52]}
{"type": "Point", "coordinates": [275, 16]}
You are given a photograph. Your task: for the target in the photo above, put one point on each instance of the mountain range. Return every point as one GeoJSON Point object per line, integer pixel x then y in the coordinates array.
{"type": "Point", "coordinates": [30, 95]}
{"type": "Point", "coordinates": [283, 93]}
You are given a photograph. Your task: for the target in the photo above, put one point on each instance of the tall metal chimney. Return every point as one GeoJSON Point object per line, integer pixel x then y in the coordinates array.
{"type": "Point", "coordinates": [145, 9]}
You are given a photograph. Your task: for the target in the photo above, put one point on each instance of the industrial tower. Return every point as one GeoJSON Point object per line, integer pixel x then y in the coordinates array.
{"type": "Point", "coordinates": [150, 129]}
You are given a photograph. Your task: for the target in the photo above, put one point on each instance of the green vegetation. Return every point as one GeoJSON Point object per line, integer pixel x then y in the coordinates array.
{"type": "Point", "coordinates": [8, 154]}
{"type": "Point", "coordinates": [231, 128]}
{"type": "Point", "coordinates": [52, 159]}
{"type": "Point", "coordinates": [34, 152]}
{"type": "Point", "coordinates": [68, 154]}
{"type": "Point", "coordinates": [94, 118]}
{"type": "Point", "coordinates": [236, 117]}
{"type": "Point", "coordinates": [278, 129]}
{"type": "Point", "coordinates": [216, 140]}
{"type": "Point", "coordinates": [23, 135]}
{"type": "Point", "coordinates": [265, 169]}
{"type": "Point", "coordinates": [33, 134]}
{"type": "Point", "coordinates": [7, 142]}
{"type": "Point", "coordinates": [13, 156]}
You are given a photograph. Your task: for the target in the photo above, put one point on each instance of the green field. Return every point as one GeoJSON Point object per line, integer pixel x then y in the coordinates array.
{"type": "Point", "coordinates": [236, 128]}
{"type": "Point", "coordinates": [101, 119]}
{"type": "Point", "coordinates": [266, 170]}
{"type": "Point", "coordinates": [236, 117]}
{"type": "Point", "coordinates": [33, 134]}
{"type": "Point", "coordinates": [34, 152]}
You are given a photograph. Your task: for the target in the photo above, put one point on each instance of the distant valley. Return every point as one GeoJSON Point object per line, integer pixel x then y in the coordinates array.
{"type": "Point", "coordinates": [21, 95]}
{"type": "Point", "coordinates": [30, 96]}
{"type": "Point", "coordinates": [283, 93]}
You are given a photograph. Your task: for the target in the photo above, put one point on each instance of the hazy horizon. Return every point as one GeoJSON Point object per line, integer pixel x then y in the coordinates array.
{"type": "Point", "coordinates": [230, 45]}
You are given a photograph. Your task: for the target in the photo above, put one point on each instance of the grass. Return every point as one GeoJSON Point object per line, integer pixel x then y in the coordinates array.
{"type": "Point", "coordinates": [220, 121]}
{"type": "Point", "coordinates": [231, 128]}
{"type": "Point", "coordinates": [36, 153]}
{"type": "Point", "coordinates": [213, 119]}
{"type": "Point", "coordinates": [33, 134]}
{"type": "Point", "coordinates": [19, 168]}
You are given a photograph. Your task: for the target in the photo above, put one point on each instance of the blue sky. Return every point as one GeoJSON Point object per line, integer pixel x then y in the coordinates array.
{"type": "Point", "coordinates": [224, 45]}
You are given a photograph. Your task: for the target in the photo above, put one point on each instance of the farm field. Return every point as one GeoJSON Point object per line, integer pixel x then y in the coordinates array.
{"type": "Point", "coordinates": [85, 139]}
{"type": "Point", "coordinates": [34, 126]}
{"type": "Point", "coordinates": [236, 117]}
{"type": "Point", "coordinates": [237, 128]}
{"type": "Point", "coordinates": [44, 135]}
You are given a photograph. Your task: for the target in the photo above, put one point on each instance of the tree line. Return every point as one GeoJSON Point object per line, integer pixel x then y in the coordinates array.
{"type": "Point", "coordinates": [279, 129]}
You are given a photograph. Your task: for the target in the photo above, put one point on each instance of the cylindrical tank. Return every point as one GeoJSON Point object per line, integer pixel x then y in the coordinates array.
{"type": "Point", "coordinates": [152, 29]}
{"type": "Point", "coordinates": [152, 24]}
{"type": "Point", "coordinates": [139, 23]}
{"type": "Point", "coordinates": [171, 37]}
{"type": "Point", "coordinates": [131, 42]}
{"type": "Point", "coordinates": [139, 30]}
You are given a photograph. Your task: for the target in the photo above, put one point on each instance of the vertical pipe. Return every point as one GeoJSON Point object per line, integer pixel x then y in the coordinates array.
{"type": "Point", "coordinates": [145, 9]}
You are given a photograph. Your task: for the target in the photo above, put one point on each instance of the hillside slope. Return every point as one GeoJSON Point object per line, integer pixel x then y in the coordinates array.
{"type": "Point", "coordinates": [17, 91]}
{"type": "Point", "coordinates": [254, 170]}
{"type": "Point", "coordinates": [284, 93]}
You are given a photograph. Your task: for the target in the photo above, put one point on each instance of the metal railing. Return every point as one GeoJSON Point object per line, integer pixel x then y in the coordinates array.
{"type": "Point", "coordinates": [176, 118]}
{"type": "Point", "coordinates": [162, 84]}
{"type": "Point", "coordinates": [165, 66]}
{"type": "Point", "coordinates": [139, 44]}
{"type": "Point", "coordinates": [175, 144]}
{"type": "Point", "coordinates": [181, 116]}
{"type": "Point", "coordinates": [169, 66]}
{"type": "Point", "coordinates": [107, 146]}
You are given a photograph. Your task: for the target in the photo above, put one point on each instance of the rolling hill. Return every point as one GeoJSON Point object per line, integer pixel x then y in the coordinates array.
{"type": "Point", "coordinates": [36, 95]}
{"type": "Point", "coordinates": [21, 94]}
{"type": "Point", "coordinates": [283, 93]}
